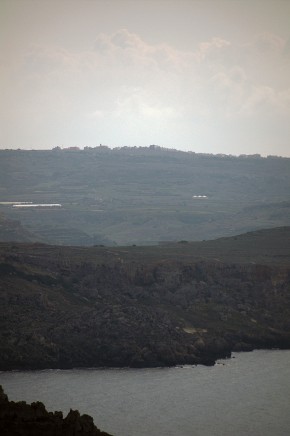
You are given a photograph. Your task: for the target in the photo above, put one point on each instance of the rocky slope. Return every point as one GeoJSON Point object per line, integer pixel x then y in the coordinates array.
{"type": "Point", "coordinates": [21, 419]}
{"type": "Point", "coordinates": [67, 307]}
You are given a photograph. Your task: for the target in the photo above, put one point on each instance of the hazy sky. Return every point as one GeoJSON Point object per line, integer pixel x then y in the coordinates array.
{"type": "Point", "coordinates": [208, 76]}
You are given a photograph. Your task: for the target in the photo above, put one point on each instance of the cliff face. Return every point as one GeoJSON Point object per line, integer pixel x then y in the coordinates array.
{"type": "Point", "coordinates": [77, 307]}
{"type": "Point", "coordinates": [21, 419]}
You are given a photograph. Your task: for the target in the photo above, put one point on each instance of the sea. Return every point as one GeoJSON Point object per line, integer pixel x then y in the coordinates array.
{"type": "Point", "coordinates": [247, 395]}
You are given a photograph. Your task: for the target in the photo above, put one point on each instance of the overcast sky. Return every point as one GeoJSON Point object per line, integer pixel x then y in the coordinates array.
{"type": "Point", "coordinates": [207, 76]}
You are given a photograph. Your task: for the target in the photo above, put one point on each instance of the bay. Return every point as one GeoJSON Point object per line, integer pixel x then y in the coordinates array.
{"type": "Point", "coordinates": [246, 395]}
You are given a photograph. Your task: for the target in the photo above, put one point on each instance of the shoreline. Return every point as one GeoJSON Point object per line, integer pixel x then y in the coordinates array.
{"type": "Point", "coordinates": [145, 367]}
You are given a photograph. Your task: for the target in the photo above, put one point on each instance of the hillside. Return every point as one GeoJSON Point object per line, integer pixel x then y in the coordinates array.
{"type": "Point", "coordinates": [141, 195]}
{"type": "Point", "coordinates": [11, 230]}
{"type": "Point", "coordinates": [65, 307]}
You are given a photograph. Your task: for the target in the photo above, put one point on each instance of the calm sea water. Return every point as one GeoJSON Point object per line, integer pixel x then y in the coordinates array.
{"type": "Point", "coordinates": [245, 396]}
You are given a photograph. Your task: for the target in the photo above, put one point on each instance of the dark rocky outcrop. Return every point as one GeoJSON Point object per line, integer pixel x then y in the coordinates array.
{"type": "Point", "coordinates": [21, 419]}
{"type": "Point", "coordinates": [139, 306]}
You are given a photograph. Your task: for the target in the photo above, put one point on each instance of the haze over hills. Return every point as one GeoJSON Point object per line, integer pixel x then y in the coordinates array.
{"type": "Point", "coordinates": [139, 195]}
{"type": "Point", "coordinates": [139, 255]}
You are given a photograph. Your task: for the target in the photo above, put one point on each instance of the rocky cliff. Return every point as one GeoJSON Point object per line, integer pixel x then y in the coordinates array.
{"type": "Point", "coordinates": [21, 419]}
{"type": "Point", "coordinates": [80, 307]}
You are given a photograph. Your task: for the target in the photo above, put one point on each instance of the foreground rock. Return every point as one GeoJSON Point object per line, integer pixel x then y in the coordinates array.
{"type": "Point", "coordinates": [21, 419]}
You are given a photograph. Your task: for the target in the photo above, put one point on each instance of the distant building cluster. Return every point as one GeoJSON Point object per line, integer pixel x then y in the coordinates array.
{"type": "Point", "coordinates": [157, 148]}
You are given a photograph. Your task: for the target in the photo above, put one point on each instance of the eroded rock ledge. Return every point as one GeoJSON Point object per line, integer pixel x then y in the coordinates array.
{"type": "Point", "coordinates": [21, 419]}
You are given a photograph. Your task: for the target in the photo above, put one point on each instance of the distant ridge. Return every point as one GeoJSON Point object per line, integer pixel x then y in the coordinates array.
{"type": "Point", "coordinates": [142, 195]}
{"type": "Point", "coordinates": [152, 148]}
